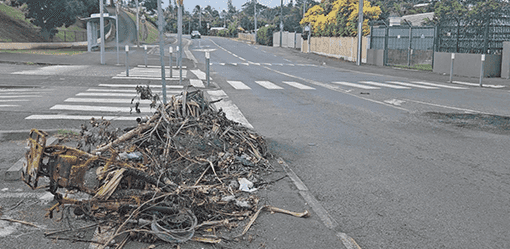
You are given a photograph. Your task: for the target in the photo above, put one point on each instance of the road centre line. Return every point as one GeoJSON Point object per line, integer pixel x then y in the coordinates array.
{"type": "Point", "coordinates": [448, 107]}
{"type": "Point", "coordinates": [383, 85]}
{"type": "Point", "coordinates": [412, 85]}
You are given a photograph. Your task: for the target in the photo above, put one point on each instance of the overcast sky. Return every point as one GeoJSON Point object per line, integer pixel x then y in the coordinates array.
{"type": "Point", "coordinates": [222, 4]}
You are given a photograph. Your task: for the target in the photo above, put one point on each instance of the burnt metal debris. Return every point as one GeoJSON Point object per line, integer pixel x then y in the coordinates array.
{"type": "Point", "coordinates": [172, 177]}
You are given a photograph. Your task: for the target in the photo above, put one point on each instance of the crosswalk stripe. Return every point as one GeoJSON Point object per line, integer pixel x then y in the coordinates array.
{"type": "Point", "coordinates": [98, 108]}
{"type": "Point", "coordinates": [79, 117]}
{"type": "Point", "coordinates": [383, 85]}
{"type": "Point", "coordinates": [412, 85]}
{"type": "Point", "coordinates": [52, 70]}
{"type": "Point", "coordinates": [135, 85]}
{"type": "Point", "coordinates": [167, 67]}
{"type": "Point", "coordinates": [439, 85]}
{"type": "Point", "coordinates": [268, 85]}
{"type": "Point", "coordinates": [111, 90]}
{"type": "Point", "coordinates": [197, 83]}
{"type": "Point", "coordinates": [19, 96]}
{"type": "Point", "coordinates": [117, 94]}
{"type": "Point", "coordinates": [231, 110]}
{"type": "Point", "coordinates": [142, 78]}
{"type": "Point", "coordinates": [245, 63]}
{"type": "Point", "coordinates": [24, 90]}
{"type": "Point", "coordinates": [233, 64]}
{"type": "Point", "coordinates": [201, 75]}
{"type": "Point", "coordinates": [356, 85]}
{"type": "Point", "coordinates": [238, 85]}
{"type": "Point", "coordinates": [13, 100]}
{"type": "Point", "coordinates": [8, 105]}
{"type": "Point", "coordinates": [298, 85]}
{"type": "Point", "coordinates": [111, 101]}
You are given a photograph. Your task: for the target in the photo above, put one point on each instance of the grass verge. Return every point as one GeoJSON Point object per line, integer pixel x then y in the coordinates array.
{"type": "Point", "coordinates": [42, 51]}
{"type": "Point", "coordinates": [421, 67]}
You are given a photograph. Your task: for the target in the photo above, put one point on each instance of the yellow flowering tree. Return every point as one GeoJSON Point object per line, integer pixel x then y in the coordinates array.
{"type": "Point", "coordinates": [342, 18]}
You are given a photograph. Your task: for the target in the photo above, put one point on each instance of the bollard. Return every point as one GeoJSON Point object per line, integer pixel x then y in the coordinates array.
{"type": "Point", "coordinates": [451, 67]}
{"type": "Point", "coordinates": [207, 57]}
{"type": "Point", "coordinates": [481, 68]}
{"type": "Point", "coordinates": [127, 60]}
{"type": "Point", "coordinates": [145, 58]}
{"type": "Point", "coordinates": [170, 51]}
{"type": "Point", "coordinates": [179, 64]}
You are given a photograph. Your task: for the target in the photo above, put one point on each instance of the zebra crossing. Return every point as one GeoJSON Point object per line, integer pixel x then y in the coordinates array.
{"type": "Point", "coordinates": [14, 97]}
{"type": "Point", "coordinates": [116, 99]}
{"type": "Point", "coordinates": [362, 84]}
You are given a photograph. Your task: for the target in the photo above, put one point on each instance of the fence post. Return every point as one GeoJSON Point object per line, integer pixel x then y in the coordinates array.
{"type": "Point", "coordinates": [409, 47]}
{"type": "Point", "coordinates": [385, 54]}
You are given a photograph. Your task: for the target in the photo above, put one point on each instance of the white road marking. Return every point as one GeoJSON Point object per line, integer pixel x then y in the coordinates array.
{"type": "Point", "coordinates": [197, 83]}
{"type": "Point", "coordinates": [233, 64]}
{"type": "Point", "coordinates": [231, 110]}
{"type": "Point", "coordinates": [112, 90]}
{"type": "Point", "coordinates": [201, 75]}
{"type": "Point", "coordinates": [167, 67]}
{"type": "Point", "coordinates": [477, 84]}
{"type": "Point", "coordinates": [135, 85]}
{"type": "Point", "coordinates": [383, 85]}
{"type": "Point", "coordinates": [268, 85]}
{"type": "Point", "coordinates": [356, 85]}
{"type": "Point", "coordinates": [79, 117]}
{"type": "Point", "coordinates": [267, 64]}
{"type": "Point", "coordinates": [246, 64]}
{"type": "Point", "coordinates": [13, 100]}
{"type": "Point", "coordinates": [8, 105]}
{"type": "Point", "coordinates": [113, 101]}
{"type": "Point", "coordinates": [142, 78]}
{"type": "Point", "coordinates": [223, 64]}
{"type": "Point", "coordinates": [394, 102]}
{"type": "Point", "coordinates": [412, 85]}
{"type": "Point", "coordinates": [19, 96]}
{"type": "Point", "coordinates": [238, 85]}
{"type": "Point", "coordinates": [298, 85]}
{"type": "Point", "coordinates": [438, 85]}
{"type": "Point", "coordinates": [117, 94]}
{"type": "Point", "coordinates": [99, 108]}
{"type": "Point", "coordinates": [52, 70]}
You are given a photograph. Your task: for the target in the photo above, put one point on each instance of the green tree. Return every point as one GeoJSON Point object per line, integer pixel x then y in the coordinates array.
{"type": "Point", "coordinates": [50, 14]}
{"type": "Point", "coordinates": [151, 6]}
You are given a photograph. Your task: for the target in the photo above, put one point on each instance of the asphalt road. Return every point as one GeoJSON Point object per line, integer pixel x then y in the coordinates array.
{"type": "Point", "coordinates": [401, 163]}
{"type": "Point", "coordinates": [398, 160]}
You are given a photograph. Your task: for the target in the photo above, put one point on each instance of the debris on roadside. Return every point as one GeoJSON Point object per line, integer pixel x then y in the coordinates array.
{"type": "Point", "coordinates": [179, 175]}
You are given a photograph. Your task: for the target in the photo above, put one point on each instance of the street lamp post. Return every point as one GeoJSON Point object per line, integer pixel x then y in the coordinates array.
{"type": "Point", "coordinates": [137, 24]}
{"type": "Point", "coordinates": [117, 10]}
{"type": "Point", "coordinates": [360, 31]}
{"type": "Point", "coordinates": [255, 17]}
{"type": "Point", "coordinates": [162, 50]}
{"type": "Point", "coordinates": [101, 27]}
{"type": "Point", "coordinates": [281, 22]}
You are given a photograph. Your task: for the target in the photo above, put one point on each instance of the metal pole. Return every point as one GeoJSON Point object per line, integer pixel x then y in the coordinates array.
{"type": "Point", "coordinates": [127, 60]}
{"type": "Point", "coordinates": [145, 54]}
{"type": "Point", "coordinates": [179, 31]}
{"type": "Point", "coordinates": [360, 31]}
{"type": "Point", "coordinates": [281, 22]}
{"type": "Point", "coordinates": [170, 52]}
{"type": "Point", "coordinates": [481, 68]}
{"type": "Point", "coordinates": [255, 17]}
{"type": "Point", "coordinates": [101, 26]}
{"type": "Point", "coordinates": [137, 24]}
{"type": "Point", "coordinates": [207, 58]}
{"type": "Point", "coordinates": [117, 10]}
{"type": "Point", "coordinates": [161, 23]}
{"type": "Point", "coordinates": [409, 47]}
{"type": "Point", "coordinates": [451, 67]}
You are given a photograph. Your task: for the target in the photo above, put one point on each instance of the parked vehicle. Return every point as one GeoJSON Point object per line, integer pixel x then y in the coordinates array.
{"type": "Point", "coordinates": [195, 34]}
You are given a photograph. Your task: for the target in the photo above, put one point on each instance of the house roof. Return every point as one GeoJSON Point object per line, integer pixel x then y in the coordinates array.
{"type": "Point", "coordinates": [418, 19]}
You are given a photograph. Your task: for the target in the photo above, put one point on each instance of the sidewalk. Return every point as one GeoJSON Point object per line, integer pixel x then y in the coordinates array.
{"type": "Point", "coordinates": [268, 231]}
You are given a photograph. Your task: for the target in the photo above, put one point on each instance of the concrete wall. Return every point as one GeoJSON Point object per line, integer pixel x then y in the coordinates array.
{"type": "Point", "coordinates": [246, 37]}
{"type": "Point", "coordinates": [505, 61]}
{"type": "Point", "coordinates": [467, 64]}
{"type": "Point", "coordinates": [289, 39]}
{"type": "Point", "coordinates": [375, 57]}
{"type": "Point", "coordinates": [339, 47]}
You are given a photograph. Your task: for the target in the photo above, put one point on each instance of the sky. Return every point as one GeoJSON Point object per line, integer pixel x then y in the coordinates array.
{"type": "Point", "coordinates": [222, 4]}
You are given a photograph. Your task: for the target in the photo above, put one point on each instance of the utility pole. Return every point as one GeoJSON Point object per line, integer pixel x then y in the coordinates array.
{"type": "Point", "coordinates": [137, 24]}
{"type": "Point", "coordinates": [199, 17]}
{"type": "Point", "coordinates": [101, 26]}
{"type": "Point", "coordinates": [161, 23]}
{"type": "Point", "coordinates": [117, 11]}
{"type": "Point", "coordinates": [255, 17]}
{"type": "Point", "coordinates": [179, 34]}
{"type": "Point", "coordinates": [360, 31]}
{"type": "Point", "coordinates": [281, 22]}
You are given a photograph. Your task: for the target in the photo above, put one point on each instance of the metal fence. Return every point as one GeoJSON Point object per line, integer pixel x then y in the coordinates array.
{"type": "Point", "coordinates": [404, 45]}
{"type": "Point", "coordinates": [486, 38]}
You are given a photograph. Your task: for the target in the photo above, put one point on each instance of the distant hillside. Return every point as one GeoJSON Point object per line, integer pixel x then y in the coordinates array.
{"type": "Point", "coordinates": [15, 28]}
